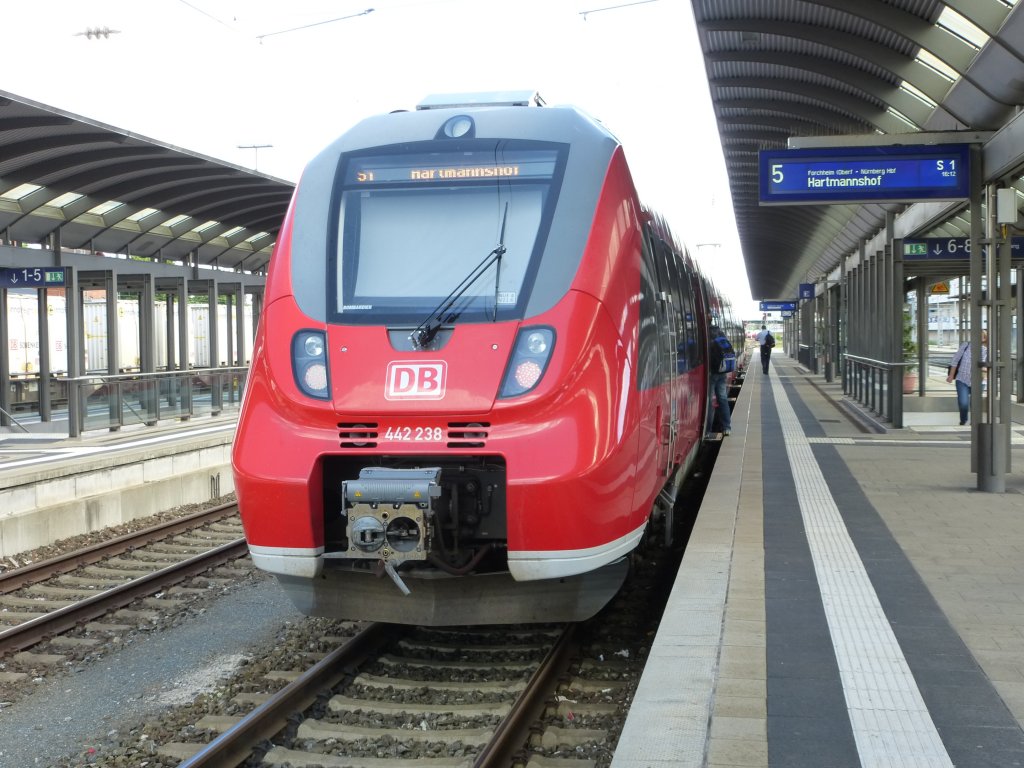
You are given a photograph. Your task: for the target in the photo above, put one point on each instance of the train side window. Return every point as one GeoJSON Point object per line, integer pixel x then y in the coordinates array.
{"type": "Point", "coordinates": [664, 256]}
{"type": "Point", "coordinates": [689, 346]}
{"type": "Point", "coordinates": [675, 269]}
{"type": "Point", "coordinates": [649, 360]}
{"type": "Point", "coordinates": [694, 346]}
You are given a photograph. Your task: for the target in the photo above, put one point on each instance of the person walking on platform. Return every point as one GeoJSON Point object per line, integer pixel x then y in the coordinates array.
{"type": "Point", "coordinates": [960, 371]}
{"type": "Point", "coordinates": [721, 361]}
{"type": "Point", "coordinates": [767, 341]}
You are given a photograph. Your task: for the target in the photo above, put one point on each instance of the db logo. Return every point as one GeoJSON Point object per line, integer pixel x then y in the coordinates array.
{"type": "Point", "coordinates": [416, 381]}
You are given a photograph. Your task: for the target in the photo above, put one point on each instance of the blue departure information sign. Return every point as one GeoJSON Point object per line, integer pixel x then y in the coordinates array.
{"type": "Point", "coordinates": [32, 277]}
{"type": "Point", "coordinates": [778, 306]}
{"type": "Point", "coordinates": [864, 174]}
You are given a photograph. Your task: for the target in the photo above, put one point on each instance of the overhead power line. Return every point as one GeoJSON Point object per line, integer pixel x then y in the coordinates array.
{"type": "Point", "coordinates": [317, 24]}
{"type": "Point", "coordinates": [615, 7]}
{"type": "Point", "coordinates": [207, 15]}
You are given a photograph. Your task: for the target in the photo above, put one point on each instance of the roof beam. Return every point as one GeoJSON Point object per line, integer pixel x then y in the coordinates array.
{"type": "Point", "coordinates": [956, 53]}
{"type": "Point", "coordinates": [885, 91]}
{"type": "Point", "coordinates": [922, 77]}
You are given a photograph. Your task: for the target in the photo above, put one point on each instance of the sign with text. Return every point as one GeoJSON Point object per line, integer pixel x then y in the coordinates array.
{"type": "Point", "coordinates": [778, 306]}
{"type": "Point", "coordinates": [806, 290]}
{"type": "Point", "coordinates": [864, 174]}
{"type": "Point", "coordinates": [951, 248]}
{"type": "Point", "coordinates": [421, 380]}
{"type": "Point", "coordinates": [32, 277]}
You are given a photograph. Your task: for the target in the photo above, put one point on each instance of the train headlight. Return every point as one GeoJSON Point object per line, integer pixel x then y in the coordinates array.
{"type": "Point", "coordinates": [537, 342]}
{"type": "Point", "coordinates": [528, 362]}
{"type": "Point", "coordinates": [458, 126]}
{"type": "Point", "coordinates": [309, 364]}
{"type": "Point", "coordinates": [314, 344]}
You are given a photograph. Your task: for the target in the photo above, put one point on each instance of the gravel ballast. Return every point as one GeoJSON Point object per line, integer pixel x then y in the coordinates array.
{"type": "Point", "coordinates": [65, 715]}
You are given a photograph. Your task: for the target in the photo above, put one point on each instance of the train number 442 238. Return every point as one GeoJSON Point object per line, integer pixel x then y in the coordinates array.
{"type": "Point", "coordinates": [414, 434]}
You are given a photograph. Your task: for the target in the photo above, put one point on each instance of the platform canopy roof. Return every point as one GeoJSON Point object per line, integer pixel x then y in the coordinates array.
{"type": "Point", "coordinates": [107, 190]}
{"type": "Point", "coordinates": [816, 68]}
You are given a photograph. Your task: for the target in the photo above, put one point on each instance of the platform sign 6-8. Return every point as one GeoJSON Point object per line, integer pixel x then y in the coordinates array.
{"type": "Point", "coordinates": [32, 277]}
{"type": "Point", "coordinates": [952, 248]}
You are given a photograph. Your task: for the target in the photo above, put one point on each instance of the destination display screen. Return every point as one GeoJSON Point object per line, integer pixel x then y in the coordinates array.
{"type": "Point", "coordinates": [454, 167]}
{"type": "Point", "coordinates": [864, 174]}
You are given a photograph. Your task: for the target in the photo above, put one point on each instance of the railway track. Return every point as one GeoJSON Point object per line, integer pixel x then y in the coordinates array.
{"type": "Point", "coordinates": [383, 696]}
{"type": "Point", "coordinates": [41, 601]}
{"type": "Point", "coordinates": [334, 694]}
{"type": "Point", "coordinates": [33, 573]}
{"type": "Point", "coordinates": [329, 693]}
{"type": "Point", "coordinates": [442, 698]}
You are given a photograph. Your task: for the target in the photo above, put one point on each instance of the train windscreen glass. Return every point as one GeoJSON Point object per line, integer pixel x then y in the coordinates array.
{"type": "Point", "coordinates": [414, 228]}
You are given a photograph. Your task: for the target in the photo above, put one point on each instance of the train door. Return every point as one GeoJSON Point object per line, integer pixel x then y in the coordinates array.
{"type": "Point", "coordinates": [668, 349]}
{"type": "Point", "coordinates": [691, 399]}
{"type": "Point", "coordinates": [702, 299]}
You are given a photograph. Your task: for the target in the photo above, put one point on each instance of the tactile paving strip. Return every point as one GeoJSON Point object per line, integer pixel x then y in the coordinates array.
{"type": "Point", "coordinates": [891, 724]}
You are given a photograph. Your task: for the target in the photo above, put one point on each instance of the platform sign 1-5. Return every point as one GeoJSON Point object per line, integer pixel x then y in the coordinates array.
{"type": "Point", "coordinates": [864, 174]}
{"type": "Point", "coordinates": [32, 277]}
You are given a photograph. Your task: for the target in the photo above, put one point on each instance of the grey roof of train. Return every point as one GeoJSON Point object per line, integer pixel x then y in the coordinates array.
{"type": "Point", "coordinates": [776, 69]}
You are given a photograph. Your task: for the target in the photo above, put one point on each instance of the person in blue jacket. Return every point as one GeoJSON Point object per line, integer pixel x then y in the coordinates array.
{"type": "Point", "coordinates": [721, 359]}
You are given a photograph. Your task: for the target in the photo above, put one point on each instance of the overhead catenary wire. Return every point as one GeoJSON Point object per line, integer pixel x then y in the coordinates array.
{"type": "Point", "coordinates": [318, 24]}
{"type": "Point", "coordinates": [615, 7]}
{"type": "Point", "coordinates": [197, 9]}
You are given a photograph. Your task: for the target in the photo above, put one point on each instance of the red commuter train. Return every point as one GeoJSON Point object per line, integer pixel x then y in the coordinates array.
{"type": "Point", "coordinates": [479, 378]}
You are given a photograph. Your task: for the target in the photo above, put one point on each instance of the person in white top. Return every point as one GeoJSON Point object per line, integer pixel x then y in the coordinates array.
{"type": "Point", "coordinates": [766, 351]}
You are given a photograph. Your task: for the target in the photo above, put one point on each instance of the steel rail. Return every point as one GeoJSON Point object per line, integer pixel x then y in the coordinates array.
{"type": "Point", "coordinates": [237, 743]}
{"type": "Point", "coordinates": [33, 631]}
{"type": "Point", "coordinates": [512, 733]}
{"type": "Point", "coordinates": [45, 569]}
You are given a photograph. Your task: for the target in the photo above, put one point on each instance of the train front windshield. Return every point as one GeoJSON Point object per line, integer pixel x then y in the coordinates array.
{"type": "Point", "coordinates": [413, 228]}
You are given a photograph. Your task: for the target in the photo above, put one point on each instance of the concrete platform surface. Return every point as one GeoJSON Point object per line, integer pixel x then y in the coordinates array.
{"type": "Point", "coordinates": [52, 489]}
{"type": "Point", "coordinates": [848, 598]}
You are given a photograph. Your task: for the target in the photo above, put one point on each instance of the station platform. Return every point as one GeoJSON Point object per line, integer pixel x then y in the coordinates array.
{"type": "Point", "coordinates": [53, 487]}
{"type": "Point", "coordinates": [847, 598]}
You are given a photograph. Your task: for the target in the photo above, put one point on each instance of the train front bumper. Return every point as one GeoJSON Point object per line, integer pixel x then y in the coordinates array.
{"type": "Point", "coordinates": [442, 600]}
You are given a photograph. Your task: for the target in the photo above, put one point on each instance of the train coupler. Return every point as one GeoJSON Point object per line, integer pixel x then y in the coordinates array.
{"type": "Point", "coordinates": [389, 512]}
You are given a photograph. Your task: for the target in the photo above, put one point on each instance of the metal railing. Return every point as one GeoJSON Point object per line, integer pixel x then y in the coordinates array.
{"type": "Point", "coordinates": [115, 401]}
{"type": "Point", "coordinates": [7, 419]}
{"type": "Point", "coordinates": [876, 384]}
{"type": "Point", "coordinates": [942, 360]}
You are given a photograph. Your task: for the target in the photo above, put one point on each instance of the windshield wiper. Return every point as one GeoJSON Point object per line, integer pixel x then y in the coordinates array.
{"type": "Point", "coordinates": [427, 330]}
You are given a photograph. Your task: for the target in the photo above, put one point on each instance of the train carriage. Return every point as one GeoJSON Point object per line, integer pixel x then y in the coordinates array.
{"type": "Point", "coordinates": [479, 374]}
